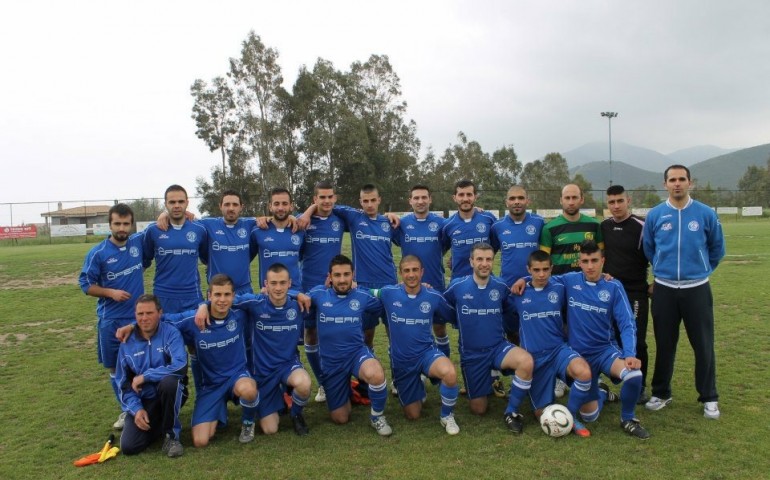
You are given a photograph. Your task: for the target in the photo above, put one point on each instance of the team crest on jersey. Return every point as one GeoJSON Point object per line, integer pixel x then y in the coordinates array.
{"type": "Point", "coordinates": [481, 228]}
{"type": "Point", "coordinates": [385, 226]}
{"type": "Point", "coordinates": [295, 239]}
{"type": "Point", "coordinates": [241, 233]}
{"type": "Point", "coordinates": [354, 305]}
{"type": "Point", "coordinates": [589, 236]}
{"type": "Point", "coordinates": [604, 295]}
{"type": "Point", "coordinates": [191, 237]}
{"type": "Point", "coordinates": [553, 297]}
{"type": "Point", "coordinates": [425, 307]}
{"type": "Point", "coordinates": [232, 325]}
{"type": "Point", "coordinates": [291, 314]}
{"type": "Point", "coordinates": [531, 230]}
{"type": "Point", "coordinates": [666, 227]}
{"type": "Point", "coordinates": [336, 226]}
{"type": "Point", "coordinates": [693, 226]}
{"type": "Point", "coordinates": [433, 227]}
{"type": "Point", "coordinates": [494, 295]}
{"type": "Point", "coordinates": [133, 251]}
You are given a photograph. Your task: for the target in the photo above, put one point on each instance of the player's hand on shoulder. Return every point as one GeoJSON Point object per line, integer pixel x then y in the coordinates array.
{"type": "Point", "coordinates": [202, 319]}
{"type": "Point", "coordinates": [304, 302]}
{"type": "Point", "coordinates": [302, 222]}
{"type": "Point", "coordinates": [608, 277]}
{"type": "Point", "coordinates": [518, 286]}
{"type": "Point", "coordinates": [162, 221]}
{"type": "Point", "coordinates": [262, 222]}
{"type": "Point", "coordinates": [394, 219]}
{"type": "Point", "coordinates": [293, 223]}
{"type": "Point", "coordinates": [124, 332]}
{"type": "Point", "coordinates": [189, 215]}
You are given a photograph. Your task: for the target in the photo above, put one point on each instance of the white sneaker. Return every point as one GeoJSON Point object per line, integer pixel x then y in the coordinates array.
{"type": "Point", "coordinates": [381, 425]}
{"type": "Point", "coordinates": [656, 403]}
{"type": "Point", "coordinates": [711, 410]}
{"type": "Point", "coordinates": [121, 421]}
{"type": "Point", "coordinates": [393, 390]}
{"type": "Point", "coordinates": [450, 424]}
{"type": "Point", "coordinates": [559, 388]}
{"type": "Point", "coordinates": [320, 397]}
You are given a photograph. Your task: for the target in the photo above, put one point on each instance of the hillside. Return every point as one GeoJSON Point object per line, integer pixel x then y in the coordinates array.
{"type": "Point", "coordinates": [693, 155]}
{"type": "Point", "coordinates": [726, 170]}
{"type": "Point", "coordinates": [621, 152]}
{"type": "Point", "coordinates": [629, 176]}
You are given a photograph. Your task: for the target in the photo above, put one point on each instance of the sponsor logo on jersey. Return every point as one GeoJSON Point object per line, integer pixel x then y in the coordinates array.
{"type": "Point", "coordinates": [467, 296]}
{"type": "Point", "coordinates": [494, 295]}
{"type": "Point", "coordinates": [425, 307]}
{"type": "Point", "coordinates": [219, 232]}
{"type": "Point", "coordinates": [191, 237]}
{"type": "Point", "coordinates": [218, 247]}
{"type": "Point", "coordinates": [466, 310]}
{"type": "Point", "coordinates": [409, 321]}
{"type": "Point", "coordinates": [506, 245]}
{"type": "Point", "coordinates": [561, 239]}
{"type": "Point", "coordinates": [327, 304]}
{"type": "Point", "coordinates": [363, 224]}
{"type": "Point", "coordinates": [585, 306]}
{"type": "Point", "coordinates": [341, 319]}
{"type": "Point", "coordinates": [397, 304]}
{"type": "Point", "coordinates": [133, 251]}
{"type": "Point", "coordinates": [354, 305]}
{"type": "Point", "coordinates": [264, 315]}
{"type": "Point", "coordinates": [162, 252]}
{"type": "Point", "coordinates": [269, 239]}
{"type": "Point", "coordinates": [506, 232]}
{"type": "Point", "coordinates": [124, 273]}
{"type": "Point", "coordinates": [275, 328]}
{"type": "Point", "coordinates": [526, 300]}
{"type": "Point", "coordinates": [577, 287]}
{"type": "Point", "coordinates": [604, 295]}
{"type": "Point", "coordinates": [667, 226]}
{"type": "Point", "coordinates": [138, 354]}
{"type": "Point", "coordinates": [536, 315]}
{"type": "Point", "coordinates": [693, 226]}
{"type": "Point", "coordinates": [204, 345]}
{"type": "Point", "coordinates": [588, 235]}
{"type": "Point", "coordinates": [365, 236]}
{"type": "Point", "coordinates": [163, 236]}
{"type": "Point", "coordinates": [553, 297]}
{"type": "Point", "coordinates": [410, 227]}
{"type": "Point", "coordinates": [281, 253]}
{"type": "Point", "coordinates": [111, 260]}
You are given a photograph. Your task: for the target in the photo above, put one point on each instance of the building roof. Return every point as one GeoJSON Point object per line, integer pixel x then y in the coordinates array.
{"type": "Point", "coordinates": [85, 211]}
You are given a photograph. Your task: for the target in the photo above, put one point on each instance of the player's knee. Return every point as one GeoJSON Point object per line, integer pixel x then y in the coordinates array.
{"type": "Point", "coordinates": [201, 440]}
{"type": "Point", "coordinates": [525, 367]}
{"type": "Point", "coordinates": [269, 429]}
{"type": "Point", "coordinates": [302, 386]}
{"type": "Point", "coordinates": [412, 414]}
{"type": "Point", "coordinates": [478, 408]}
{"type": "Point", "coordinates": [340, 418]}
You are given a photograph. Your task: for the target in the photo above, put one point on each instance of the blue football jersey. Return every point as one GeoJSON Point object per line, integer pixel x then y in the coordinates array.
{"type": "Point", "coordinates": [323, 241]}
{"type": "Point", "coordinates": [220, 347]}
{"type": "Point", "coordinates": [176, 252]}
{"type": "Point", "coordinates": [410, 319]}
{"type": "Point", "coordinates": [515, 241]}
{"type": "Point", "coordinates": [228, 250]}
{"type": "Point", "coordinates": [120, 268]}
{"type": "Point", "coordinates": [370, 242]}
{"type": "Point", "coordinates": [479, 311]}
{"type": "Point", "coordinates": [338, 320]}
{"type": "Point", "coordinates": [459, 235]}
{"type": "Point", "coordinates": [278, 245]}
{"type": "Point", "coordinates": [541, 317]}
{"type": "Point", "coordinates": [422, 237]}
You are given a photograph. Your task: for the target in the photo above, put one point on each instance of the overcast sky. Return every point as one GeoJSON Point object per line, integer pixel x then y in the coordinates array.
{"type": "Point", "coordinates": [95, 102]}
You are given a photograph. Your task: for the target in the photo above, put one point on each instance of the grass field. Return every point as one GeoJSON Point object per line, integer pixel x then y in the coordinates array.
{"type": "Point", "coordinates": [56, 405]}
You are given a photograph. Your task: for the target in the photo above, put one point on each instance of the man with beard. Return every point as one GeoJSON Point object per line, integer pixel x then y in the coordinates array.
{"type": "Point", "coordinates": [277, 243]}
{"type": "Point", "coordinates": [112, 272]}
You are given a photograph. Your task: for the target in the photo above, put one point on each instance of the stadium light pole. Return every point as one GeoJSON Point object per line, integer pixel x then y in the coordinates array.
{"type": "Point", "coordinates": [610, 116]}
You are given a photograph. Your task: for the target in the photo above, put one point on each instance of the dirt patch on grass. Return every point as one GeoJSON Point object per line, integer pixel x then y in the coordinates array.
{"type": "Point", "coordinates": [8, 339]}
{"type": "Point", "coordinates": [39, 283]}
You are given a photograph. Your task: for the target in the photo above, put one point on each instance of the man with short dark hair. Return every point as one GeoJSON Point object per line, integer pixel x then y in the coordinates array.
{"type": "Point", "coordinates": [277, 243]}
{"type": "Point", "coordinates": [683, 240]}
{"type": "Point", "coordinates": [152, 375]}
{"type": "Point", "coordinates": [112, 272]}
{"type": "Point", "coordinates": [626, 262]}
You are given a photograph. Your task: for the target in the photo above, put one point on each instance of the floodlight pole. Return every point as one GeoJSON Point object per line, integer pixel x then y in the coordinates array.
{"type": "Point", "coordinates": [610, 116]}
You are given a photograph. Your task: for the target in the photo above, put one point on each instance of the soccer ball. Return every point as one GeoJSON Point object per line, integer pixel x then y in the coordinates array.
{"type": "Point", "coordinates": [556, 420]}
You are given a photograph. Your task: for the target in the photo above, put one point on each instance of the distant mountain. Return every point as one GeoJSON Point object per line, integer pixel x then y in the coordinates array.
{"type": "Point", "coordinates": [639, 157]}
{"type": "Point", "coordinates": [693, 155]}
{"type": "Point", "coordinates": [726, 170]}
{"type": "Point", "coordinates": [629, 176]}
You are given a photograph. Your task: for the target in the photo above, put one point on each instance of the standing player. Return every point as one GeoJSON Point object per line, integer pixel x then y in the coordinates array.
{"type": "Point", "coordinates": [276, 323]}
{"type": "Point", "coordinates": [419, 234]}
{"type": "Point", "coordinates": [562, 236]}
{"type": "Point", "coordinates": [684, 242]}
{"type": "Point", "coordinates": [461, 232]}
{"type": "Point", "coordinates": [112, 272]}
{"type": "Point", "coordinates": [221, 352]}
{"type": "Point", "coordinates": [323, 241]}
{"type": "Point", "coordinates": [277, 243]}
{"type": "Point", "coordinates": [410, 311]}
{"type": "Point", "coordinates": [541, 310]}
{"type": "Point", "coordinates": [337, 313]}
{"type": "Point", "coordinates": [626, 262]}
{"type": "Point", "coordinates": [516, 236]}
{"type": "Point", "coordinates": [480, 301]}
{"type": "Point", "coordinates": [152, 374]}
{"type": "Point", "coordinates": [176, 252]}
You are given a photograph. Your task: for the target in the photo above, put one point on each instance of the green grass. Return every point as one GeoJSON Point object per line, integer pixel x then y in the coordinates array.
{"type": "Point", "coordinates": [56, 405]}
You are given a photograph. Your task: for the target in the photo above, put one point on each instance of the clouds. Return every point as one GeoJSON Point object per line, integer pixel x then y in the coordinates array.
{"type": "Point", "coordinates": [96, 97]}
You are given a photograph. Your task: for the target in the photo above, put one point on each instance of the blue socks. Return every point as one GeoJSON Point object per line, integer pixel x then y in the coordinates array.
{"type": "Point", "coordinates": [448, 398]}
{"type": "Point", "coordinates": [519, 389]}
{"type": "Point", "coordinates": [378, 395]}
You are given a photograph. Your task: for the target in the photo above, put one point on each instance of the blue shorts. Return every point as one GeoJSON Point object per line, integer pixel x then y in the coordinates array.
{"type": "Point", "coordinates": [601, 362]}
{"type": "Point", "coordinates": [549, 365]}
{"type": "Point", "coordinates": [336, 378]}
{"type": "Point", "coordinates": [179, 305]}
{"type": "Point", "coordinates": [106, 344]}
{"type": "Point", "coordinates": [477, 364]}
{"type": "Point", "coordinates": [272, 387]}
{"type": "Point", "coordinates": [406, 376]}
{"type": "Point", "coordinates": [211, 401]}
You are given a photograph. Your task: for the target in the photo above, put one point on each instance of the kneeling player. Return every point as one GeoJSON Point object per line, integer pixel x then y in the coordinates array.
{"type": "Point", "coordinates": [480, 301]}
{"type": "Point", "coordinates": [276, 365]}
{"type": "Point", "coordinates": [411, 310]}
{"type": "Point", "coordinates": [541, 328]}
{"type": "Point", "coordinates": [221, 352]}
{"type": "Point", "coordinates": [337, 314]}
